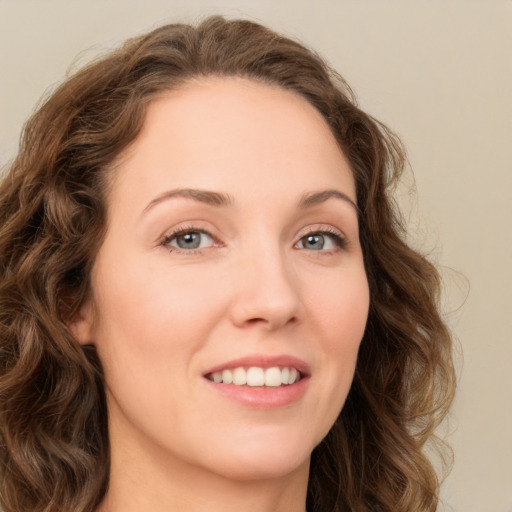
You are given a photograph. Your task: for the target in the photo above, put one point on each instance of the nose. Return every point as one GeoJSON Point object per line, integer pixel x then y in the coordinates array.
{"type": "Point", "coordinates": [266, 291]}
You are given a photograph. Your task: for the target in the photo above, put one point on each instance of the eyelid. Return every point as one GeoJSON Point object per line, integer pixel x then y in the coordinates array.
{"type": "Point", "coordinates": [340, 238]}
{"type": "Point", "coordinates": [170, 235]}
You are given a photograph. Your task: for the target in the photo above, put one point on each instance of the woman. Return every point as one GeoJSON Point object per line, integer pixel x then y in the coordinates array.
{"type": "Point", "coordinates": [206, 300]}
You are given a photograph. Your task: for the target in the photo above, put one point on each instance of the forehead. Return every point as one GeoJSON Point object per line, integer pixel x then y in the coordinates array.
{"type": "Point", "coordinates": [235, 134]}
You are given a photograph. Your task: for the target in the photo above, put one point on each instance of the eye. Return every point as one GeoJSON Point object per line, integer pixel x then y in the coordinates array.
{"type": "Point", "coordinates": [321, 241]}
{"type": "Point", "coordinates": [189, 239]}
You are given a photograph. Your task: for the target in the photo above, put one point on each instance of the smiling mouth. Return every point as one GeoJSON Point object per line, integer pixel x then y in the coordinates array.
{"type": "Point", "coordinates": [256, 376]}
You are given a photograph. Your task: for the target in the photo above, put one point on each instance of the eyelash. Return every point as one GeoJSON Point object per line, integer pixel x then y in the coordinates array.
{"type": "Point", "coordinates": [183, 231]}
{"type": "Point", "coordinates": [339, 240]}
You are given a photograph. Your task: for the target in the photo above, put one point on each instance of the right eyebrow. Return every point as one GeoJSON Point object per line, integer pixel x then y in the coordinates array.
{"type": "Point", "coordinates": [203, 196]}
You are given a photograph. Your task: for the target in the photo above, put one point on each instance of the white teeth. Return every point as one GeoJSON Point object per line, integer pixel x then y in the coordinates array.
{"type": "Point", "coordinates": [239, 376]}
{"type": "Point", "coordinates": [256, 376]}
{"type": "Point", "coordinates": [227, 376]}
{"type": "Point", "coordinates": [273, 377]}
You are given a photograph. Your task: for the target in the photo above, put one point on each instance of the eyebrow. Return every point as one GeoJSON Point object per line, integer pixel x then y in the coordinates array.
{"type": "Point", "coordinates": [220, 199]}
{"type": "Point", "coordinates": [203, 196]}
{"type": "Point", "coordinates": [315, 198]}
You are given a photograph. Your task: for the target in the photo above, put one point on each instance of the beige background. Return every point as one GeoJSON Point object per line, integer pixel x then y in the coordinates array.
{"type": "Point", "coordinates": [440, 74]}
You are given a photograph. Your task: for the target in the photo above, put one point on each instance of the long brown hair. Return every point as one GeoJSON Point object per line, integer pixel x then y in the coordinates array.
{"type": "Point", "coordinates": [54, 447]}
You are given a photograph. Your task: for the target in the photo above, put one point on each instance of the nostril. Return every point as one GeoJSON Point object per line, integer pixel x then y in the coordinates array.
{"type": "Point", "coordinates": [272, 322]}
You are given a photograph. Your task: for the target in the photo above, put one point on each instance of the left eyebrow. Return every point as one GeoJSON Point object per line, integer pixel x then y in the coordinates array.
{"type": "Point", "coordinates": [315, 198]}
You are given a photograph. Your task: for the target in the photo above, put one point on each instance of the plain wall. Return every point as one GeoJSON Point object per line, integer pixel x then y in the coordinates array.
{"type": "Point", "coordinates": [439, 73]}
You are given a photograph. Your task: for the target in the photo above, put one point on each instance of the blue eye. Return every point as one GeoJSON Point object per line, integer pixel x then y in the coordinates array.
{"type": "Point", "coordinates": [189, 240]}
{"type": "Point", "coordinates": [321, 241]}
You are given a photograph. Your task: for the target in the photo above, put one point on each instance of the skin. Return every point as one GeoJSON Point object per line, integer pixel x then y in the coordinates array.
{"type": "Point", "coordinates": [161, 316]}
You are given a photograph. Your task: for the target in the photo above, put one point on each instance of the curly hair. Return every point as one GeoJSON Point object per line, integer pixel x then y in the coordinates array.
{"type": "Point", "coordinates": [54, 446]}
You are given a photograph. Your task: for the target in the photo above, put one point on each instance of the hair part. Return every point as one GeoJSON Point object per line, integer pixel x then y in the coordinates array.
{"type": "Point", "coordinates": [54, 447]}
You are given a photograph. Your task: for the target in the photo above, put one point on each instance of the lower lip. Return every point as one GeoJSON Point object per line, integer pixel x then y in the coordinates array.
{"type": "Point", "coordinates": [262, 397]}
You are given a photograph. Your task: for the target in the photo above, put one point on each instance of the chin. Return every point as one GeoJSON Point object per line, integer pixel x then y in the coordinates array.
{"type": "Point", "coordinates": [261, 469]}
{"type": "Point", "coordinates": [264, 460]}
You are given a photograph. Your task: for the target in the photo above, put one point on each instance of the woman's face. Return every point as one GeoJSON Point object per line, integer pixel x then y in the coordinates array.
{"type": "Point", "coordinates": [232, 243]}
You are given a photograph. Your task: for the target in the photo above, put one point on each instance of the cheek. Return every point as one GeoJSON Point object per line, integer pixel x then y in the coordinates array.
{"type": "Point", "coordinates": [340, 313]}
{"type": "Point", "coordinates": [155, 309]}
{"type": "Point", "coordinates": [153, 314]}
{"type": "Point", "coordinates": [154, 322]}
{"type": "Point", "coordinates": [340, 306]}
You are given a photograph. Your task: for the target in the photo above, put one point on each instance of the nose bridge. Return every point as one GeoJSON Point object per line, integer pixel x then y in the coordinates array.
{"type": "Point", "coordinates": [266, 288]}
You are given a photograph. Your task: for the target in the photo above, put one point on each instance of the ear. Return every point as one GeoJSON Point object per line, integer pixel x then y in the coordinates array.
{"type": "Point", "coordinates": [81, 326]}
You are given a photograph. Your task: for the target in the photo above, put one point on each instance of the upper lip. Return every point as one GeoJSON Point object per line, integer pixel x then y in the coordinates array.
{"type": "Point", "coordinates": [263, 361]}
